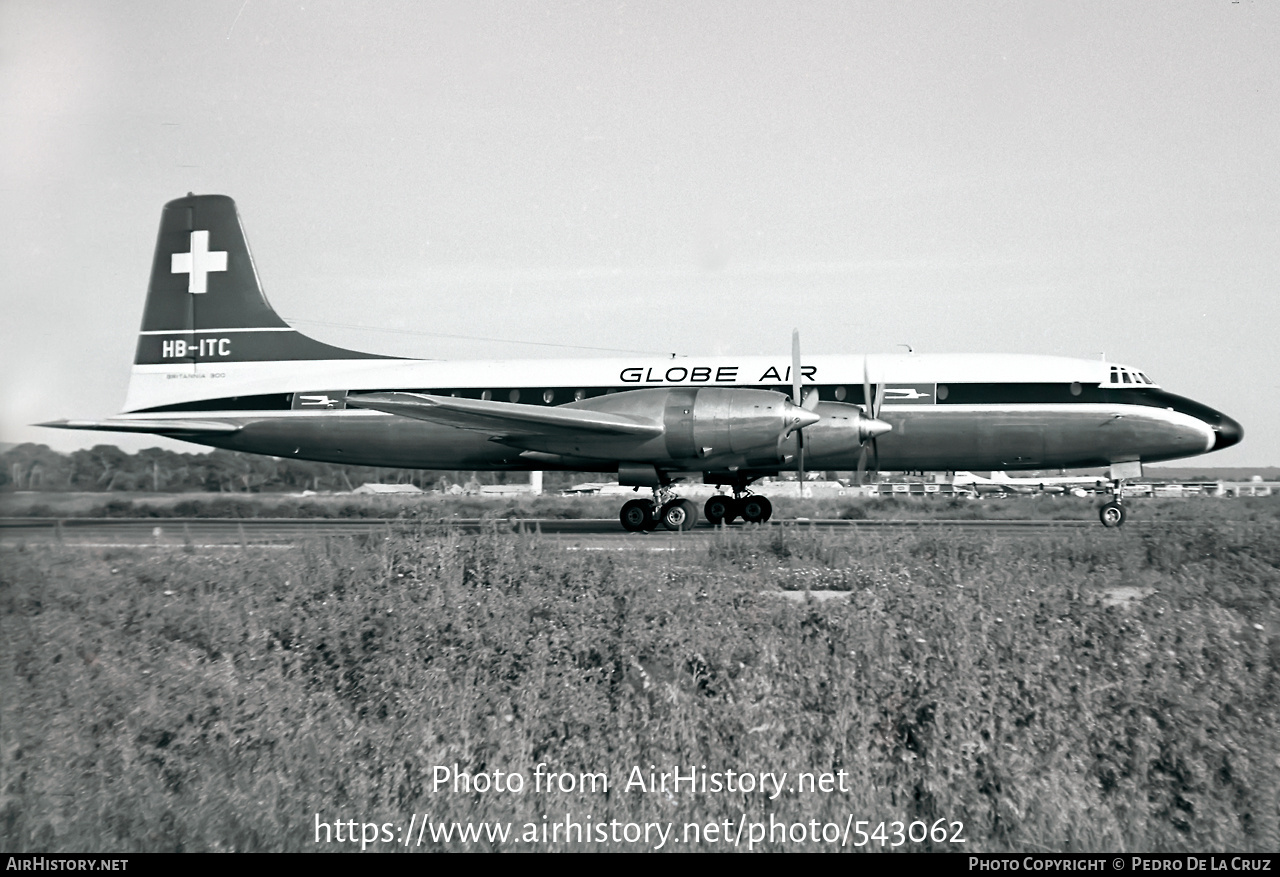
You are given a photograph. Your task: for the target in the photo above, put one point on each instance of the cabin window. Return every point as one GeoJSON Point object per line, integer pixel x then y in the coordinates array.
{"type": "Point", "coordinates": [1125, 377]}
{"type": "Point", "coordinates": [943, 392]}
{"type": "Point", "coordinates": [487, 395]}
{"type": "Point", "coordinates": [841, 392]}
{"type": "Point", "coordinates": [1076, 389]}
{"type": "Point", "coordinates": [548, 396]}
{"type": "Point", "coordinates": [514, 395]}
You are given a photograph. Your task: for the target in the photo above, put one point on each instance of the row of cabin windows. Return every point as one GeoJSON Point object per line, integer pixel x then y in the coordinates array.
{"type": "Point", "coordinates": [548, 396]}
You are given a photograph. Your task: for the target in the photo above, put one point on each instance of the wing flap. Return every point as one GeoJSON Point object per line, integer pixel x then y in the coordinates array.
{"type": "Point", "coordinates": [505, 418]}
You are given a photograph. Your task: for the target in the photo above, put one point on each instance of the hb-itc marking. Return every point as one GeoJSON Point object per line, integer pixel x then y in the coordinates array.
{"type": "Point", "coordinates": [202, 347]}
{"type": "Point", "coordinates": [198, 263]}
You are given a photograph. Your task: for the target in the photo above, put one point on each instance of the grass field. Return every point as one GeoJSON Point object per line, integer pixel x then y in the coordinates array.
{"type": "Point", "coordinates": [434, 507]}
{"type": "Point", "coordinates": [1095, 691]}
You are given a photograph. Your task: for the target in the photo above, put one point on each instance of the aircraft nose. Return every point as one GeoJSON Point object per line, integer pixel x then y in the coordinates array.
{"type": "Point", "coordinates": [1227, 433]}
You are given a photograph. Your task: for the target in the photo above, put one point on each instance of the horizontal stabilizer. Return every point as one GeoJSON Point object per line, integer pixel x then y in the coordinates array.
{"type": "Point", "coordinates": [505, 418]}
{"type": "Point", "coordinates": [158, 427]}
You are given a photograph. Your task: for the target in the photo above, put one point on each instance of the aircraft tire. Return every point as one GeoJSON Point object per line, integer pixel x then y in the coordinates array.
{"type": "Point", "coordinates": [756, 509]}
{"type": "Point", "coordinates": [720, 509]}
{"type": "Point", "coordinates": [679, 514]}
{"type": "Point", "coordinates": [1111, 514]}
{"type": "Point", "coordinates": [637, 516]}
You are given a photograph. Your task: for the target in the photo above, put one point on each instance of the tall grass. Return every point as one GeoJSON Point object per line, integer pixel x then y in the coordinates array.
{"type": "Point", "coordinates": [436, 508]}
{"type": "Point", "coordinates": [221, 701]}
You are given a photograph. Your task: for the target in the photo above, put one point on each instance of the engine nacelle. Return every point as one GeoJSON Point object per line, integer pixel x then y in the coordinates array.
{"type": "Point", "coordinates": [702, 426]}
{"type": "Point", "coordinates": [835, 441]}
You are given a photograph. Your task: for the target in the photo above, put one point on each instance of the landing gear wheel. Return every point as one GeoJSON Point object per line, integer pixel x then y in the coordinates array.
{"type": "Point", "coordinates": [1111, 514]}
{"type": "Point", "coordinates": [756, 509]}
{"type": "Point", "coordinates": [637, 516]}
{"type": "Point", "coordinates": [720, 509]}
{"type": "Point", "coordinates": [679, 514]}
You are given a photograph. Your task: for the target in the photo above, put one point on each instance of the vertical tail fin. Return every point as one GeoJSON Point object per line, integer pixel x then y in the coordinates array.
{"type": "Point", "coordinates": [205, 303]}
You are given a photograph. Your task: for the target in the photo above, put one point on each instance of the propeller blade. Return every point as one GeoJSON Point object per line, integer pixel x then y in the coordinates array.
{"type": "Point", "coordinates": [875, 442]}
{"type": "Point", "coordinates": [797, 377]}
{"type": "Point", "coordinates": [795, 366]}
{"type": "Point", "coordinates": [866, 388]}
{"type": "Point", "coordinates": [872, 427]}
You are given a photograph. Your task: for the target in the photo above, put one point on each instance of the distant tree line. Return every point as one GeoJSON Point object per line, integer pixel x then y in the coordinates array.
{"type": "Point", "coordinates": [107, 468]}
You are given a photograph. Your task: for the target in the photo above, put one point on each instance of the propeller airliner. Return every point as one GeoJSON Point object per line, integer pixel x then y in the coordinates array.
{"type": "Point", "coordinates": [217, 366]}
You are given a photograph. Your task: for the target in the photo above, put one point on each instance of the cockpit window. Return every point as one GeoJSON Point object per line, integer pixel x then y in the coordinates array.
{"type": "Point", "coordinates": [1120, 375]}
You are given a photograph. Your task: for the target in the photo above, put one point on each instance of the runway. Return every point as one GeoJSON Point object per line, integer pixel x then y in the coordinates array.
{"type": "Point", "coordinates": [576, 534]}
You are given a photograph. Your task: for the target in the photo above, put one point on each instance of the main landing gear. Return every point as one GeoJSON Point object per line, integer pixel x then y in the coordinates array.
{"type": "Point", "coordinates": [676, 514]}
{"type": "Point", "coordinates": [721, 509]}
{"type": "Point", "coordinates": [1112, 514]}
{"type": "Point", "coordinates": [665, 509]}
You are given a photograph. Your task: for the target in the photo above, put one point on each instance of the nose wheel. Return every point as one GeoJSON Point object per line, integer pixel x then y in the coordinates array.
{"type": "Point", "coordinates": [1111, 514]}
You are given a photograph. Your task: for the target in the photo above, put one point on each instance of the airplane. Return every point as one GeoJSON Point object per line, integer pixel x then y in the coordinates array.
{"type": "Point", "coordinates": [1000, 482]}
{"type": "Point", "coordinates": [216, 365]}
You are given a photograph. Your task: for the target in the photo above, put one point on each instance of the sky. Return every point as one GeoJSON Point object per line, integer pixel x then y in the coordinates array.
{"type": "Point", "coordinates": [488, 180]}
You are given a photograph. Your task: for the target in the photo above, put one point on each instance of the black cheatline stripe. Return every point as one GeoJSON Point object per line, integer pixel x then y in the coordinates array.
{"type": "Point", "coordinates": [957, 394]}
{"type": "Point", "coordinates": [263, 402]}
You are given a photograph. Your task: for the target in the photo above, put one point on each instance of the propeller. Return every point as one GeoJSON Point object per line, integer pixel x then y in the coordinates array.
{"type": "Point", "coordinates": [877, 427]}
{"type": "Point", "coordinates": [809, 404]}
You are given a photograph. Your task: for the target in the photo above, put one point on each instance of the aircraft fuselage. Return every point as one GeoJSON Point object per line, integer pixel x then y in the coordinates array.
{"type": "Point", "coordinates": [948, 412]}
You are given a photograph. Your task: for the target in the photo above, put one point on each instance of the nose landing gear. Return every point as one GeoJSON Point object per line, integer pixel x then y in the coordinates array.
{"type": "Point", "coordinates": [1112, 513]}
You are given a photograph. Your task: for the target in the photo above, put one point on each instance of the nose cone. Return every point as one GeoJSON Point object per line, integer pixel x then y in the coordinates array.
{"type": "Point", "coordinates": [1227, 433]}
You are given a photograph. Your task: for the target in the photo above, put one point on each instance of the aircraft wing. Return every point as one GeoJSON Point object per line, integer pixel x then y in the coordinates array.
{"type": "Point", "coordinates": [506, 418]}
{"type": "Point", "coordinates": [157, 427]}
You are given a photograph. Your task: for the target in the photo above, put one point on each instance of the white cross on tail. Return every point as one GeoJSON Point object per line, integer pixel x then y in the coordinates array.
{"type": "Point", "coordinates": [199, 262]}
